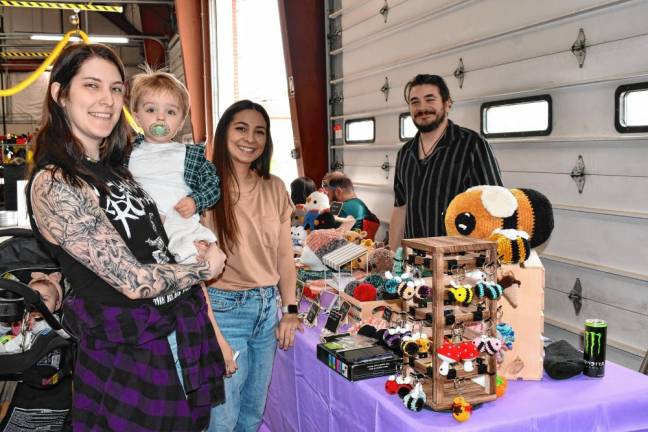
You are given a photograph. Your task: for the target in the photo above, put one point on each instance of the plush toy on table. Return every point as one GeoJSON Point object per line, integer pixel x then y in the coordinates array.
{"type": "Point", "coordinates": [297, 215]}
{"type": "Point", "coordinates": [318, 214]}
{"type": "Point", "coordinates": [381, 259]}
{"type": "Point", "coordinates": [355, 236]}
{"type": "Point", "coordinates": [517, 219]}
{"type": "Point", "coordinates": [298, 236]}
{"type": "Point", "coordinates": [362, 262]}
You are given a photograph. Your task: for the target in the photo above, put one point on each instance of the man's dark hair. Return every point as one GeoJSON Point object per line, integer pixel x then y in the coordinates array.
{"type": "Point", "coordinates": [422, 79]}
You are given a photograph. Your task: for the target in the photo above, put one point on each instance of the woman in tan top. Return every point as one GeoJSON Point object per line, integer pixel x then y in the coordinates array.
{"type": "Point", "coordinates": [252, 221]}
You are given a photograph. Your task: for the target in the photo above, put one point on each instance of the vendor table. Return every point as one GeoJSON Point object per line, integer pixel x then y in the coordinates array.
{"type": "Point", "coordinates": [305, 395]}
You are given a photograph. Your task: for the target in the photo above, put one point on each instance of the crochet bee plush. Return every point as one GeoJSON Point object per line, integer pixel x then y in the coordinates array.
{"type": "Point", "coordinates": [517, 219]}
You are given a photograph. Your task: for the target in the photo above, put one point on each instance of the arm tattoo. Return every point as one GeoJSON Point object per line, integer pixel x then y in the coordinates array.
{"type": "Point", "coordinates": [72, 217]}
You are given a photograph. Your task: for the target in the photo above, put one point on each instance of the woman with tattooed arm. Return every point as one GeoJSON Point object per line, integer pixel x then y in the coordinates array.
{"type": "Point", "coordinates": [147, 357]}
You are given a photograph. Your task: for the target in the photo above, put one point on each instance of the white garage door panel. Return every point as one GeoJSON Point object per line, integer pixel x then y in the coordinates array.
{"type": "Point", "coordinates": [442, 32]}
{"type": "Point", "coordinates": [628, 194]}
{"type": "Point", "coordinates": [536, 42]}
{"type": "Point", "coordinates": [361, 173]}
{"type": "Point", "coordinates": [367, 19]}
{"type": "Point", "coordinates": [606, 61]}
{"type": "Point", "coordinates": [379, 200]}
{"type": "Point", "coordinates": [608, 157]}
{"type": "Point", "coordinates": [367, 156]}
{"type": "Point", "coordinates": [609, 241]}
{"type": "Point", "coordinates": [627, 328]}
{"type": "Point", "coordinates": [622, 292]}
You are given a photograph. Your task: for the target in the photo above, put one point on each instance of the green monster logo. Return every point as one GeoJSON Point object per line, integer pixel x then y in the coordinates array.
{"type": "Point", "coordinates": [592, 340]}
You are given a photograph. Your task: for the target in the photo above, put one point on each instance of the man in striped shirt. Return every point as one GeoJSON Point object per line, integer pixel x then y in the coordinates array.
{"type": "Point", "coordinates": [441, 161]}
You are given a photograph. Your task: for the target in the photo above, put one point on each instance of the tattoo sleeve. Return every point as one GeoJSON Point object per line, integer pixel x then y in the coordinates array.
{"type": "Point", "coordinates": [72, 218]}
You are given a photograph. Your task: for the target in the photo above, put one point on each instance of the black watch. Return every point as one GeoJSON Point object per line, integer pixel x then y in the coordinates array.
{"type": "Point", "coordinates": [290, 309]}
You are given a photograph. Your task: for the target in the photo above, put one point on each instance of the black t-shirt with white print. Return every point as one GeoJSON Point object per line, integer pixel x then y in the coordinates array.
{"type": "Point", "coordinates": [133, 213]}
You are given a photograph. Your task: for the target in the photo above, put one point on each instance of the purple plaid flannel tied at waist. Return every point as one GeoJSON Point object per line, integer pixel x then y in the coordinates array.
{"type": "Point", "coordinates": [125, 377]}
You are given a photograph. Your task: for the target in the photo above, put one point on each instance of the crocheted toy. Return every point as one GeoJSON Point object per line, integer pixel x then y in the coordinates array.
{"type": "Point", "coordinates": [355, 236]}
{"type": "Point", "coordinates": [391, 387]}
{"type": "Point", "coordinates": [381, 260]}
{"type": "Point", "coordinates": [365, 292]}
{"type": "Point", "coordinates": [487, 344]}
{"type": "Point", "coordinates": [415, 400]}
{"type": "Point", "coordinates": [297, 215]}
{"type": "Point", "coordinates": [298, 236]}
{"type": "Point", "coordinates": [500, 386]}
{"type": "Point", "coordinates": [362, 262]}
{"type": "Point", "coordinates": [461, 409]}
{"type": "Point", "coordinates": [517, 219]}
{"type": "Point", "coordinates": [511, 288]}
{"type": "Point", "coordinates": [319, 243]}
{"type": "Point", "coordinates": [448, 353]}
{"type": "Point", "coordinates": [317, 215]}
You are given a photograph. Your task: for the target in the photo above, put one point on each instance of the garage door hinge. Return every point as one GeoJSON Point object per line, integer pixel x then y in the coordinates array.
{"type": "Point", "coordinates": [460, 73]}
{"type": "Point", "coordinates": [576, 296]}
{"type": "Point", "coordinates": [386, 166]}
{"type": "Point", "coordinates": [385, 88]}
{"type": "Point", "coordinates": [579, 48]}
{"type": "Point", "coordinates": [384, 11]}
{"type": "Point", "coordinates": [578, 174]}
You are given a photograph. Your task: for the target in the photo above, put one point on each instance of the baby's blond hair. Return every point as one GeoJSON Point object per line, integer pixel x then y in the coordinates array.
{"type": "Point", "coordinates": [157, 82]}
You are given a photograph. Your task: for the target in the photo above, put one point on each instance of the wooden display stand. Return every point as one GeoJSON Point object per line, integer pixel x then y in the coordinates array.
{"type": "Point", "coordinates": [524, 361]}
{"type": "Point", "coordinates": [440, 254]}
{"type": "Point", "coordinates": [364, 310]}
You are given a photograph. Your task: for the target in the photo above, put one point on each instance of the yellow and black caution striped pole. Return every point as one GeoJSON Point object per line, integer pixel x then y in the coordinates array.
{"type": "Point", "coordinates": [23, 54]}
{"type": "Point", "coordinates": [61, 5]}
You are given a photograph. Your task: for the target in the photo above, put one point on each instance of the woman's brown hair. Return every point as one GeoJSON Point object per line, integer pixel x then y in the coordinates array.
{"type": "Point", "coordinates": [56, 145]}
{"type": "Point", "coordinates": [222, 214]}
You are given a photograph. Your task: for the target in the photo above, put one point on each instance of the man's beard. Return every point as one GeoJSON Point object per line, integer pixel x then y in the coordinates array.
{"type": "Point", "coordinates": [433, 125]}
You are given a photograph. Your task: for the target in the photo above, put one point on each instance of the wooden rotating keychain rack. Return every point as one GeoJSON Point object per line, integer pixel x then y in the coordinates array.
{"type": "Point", "coordinates": [440, 255]}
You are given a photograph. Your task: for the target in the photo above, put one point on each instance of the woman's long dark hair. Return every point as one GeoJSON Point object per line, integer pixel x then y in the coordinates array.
{"type": "Point", "coordinates": [56, 145]}
{"type": "Point", "coordinates": [222, 214]}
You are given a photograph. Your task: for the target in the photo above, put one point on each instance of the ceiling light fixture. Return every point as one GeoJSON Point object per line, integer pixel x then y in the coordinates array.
{"type": "Point", "coordinates": [96, 39]}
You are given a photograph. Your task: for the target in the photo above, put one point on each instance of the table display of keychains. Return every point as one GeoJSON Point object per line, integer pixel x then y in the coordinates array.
{"type": "Point", "coordinates": [442, 256]}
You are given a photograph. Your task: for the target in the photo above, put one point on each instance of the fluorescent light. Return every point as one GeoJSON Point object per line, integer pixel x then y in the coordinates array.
{"type": "Point", "coordinates": [97, 39]}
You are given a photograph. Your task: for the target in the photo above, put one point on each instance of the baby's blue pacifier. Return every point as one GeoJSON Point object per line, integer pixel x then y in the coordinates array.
{"type": "Point", "coordinates": [159, 129]}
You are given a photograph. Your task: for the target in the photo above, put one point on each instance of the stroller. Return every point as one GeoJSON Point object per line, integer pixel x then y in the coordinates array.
{"type": "Point", "coordinates": [35, 379]}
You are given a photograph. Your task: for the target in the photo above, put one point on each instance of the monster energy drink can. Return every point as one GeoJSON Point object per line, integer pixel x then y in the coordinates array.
{"type": "Point", "coordinates": [595, 339]}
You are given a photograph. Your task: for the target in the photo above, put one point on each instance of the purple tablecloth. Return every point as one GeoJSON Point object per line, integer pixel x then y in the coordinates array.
{"type": "Point", "coordinates": [305, 395]}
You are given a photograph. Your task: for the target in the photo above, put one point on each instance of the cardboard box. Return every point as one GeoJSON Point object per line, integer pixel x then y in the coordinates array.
{"type": "Point", "coordinates": [524, 361]}
{"type": "Point", "coordinates": [356, 358]}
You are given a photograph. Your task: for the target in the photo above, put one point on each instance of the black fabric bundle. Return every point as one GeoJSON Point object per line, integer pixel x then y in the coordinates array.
{"type": "Point", "coordinates": [562, 360]}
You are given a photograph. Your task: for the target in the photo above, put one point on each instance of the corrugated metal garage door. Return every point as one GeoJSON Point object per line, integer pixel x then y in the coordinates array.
{"type": "Point", "coordinates": [513, 49]}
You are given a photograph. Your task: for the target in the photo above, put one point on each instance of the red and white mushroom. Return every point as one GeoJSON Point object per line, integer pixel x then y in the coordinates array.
{"type": "Point", "coordinates": [468, 352]}
{"type": "Point", "coordinates": [448, 353]}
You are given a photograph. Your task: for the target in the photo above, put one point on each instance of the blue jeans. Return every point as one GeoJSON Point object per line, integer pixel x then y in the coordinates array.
{"type": "Point", "coordinates": [248, 320]}
{"type": "Point", "coordinates": [173, 344]}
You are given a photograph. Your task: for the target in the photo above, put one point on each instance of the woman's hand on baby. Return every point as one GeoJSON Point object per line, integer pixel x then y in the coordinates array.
{"type": "Point", "coordinates": [211, 254]}
{"type": "Point", "coordinates": [186, 207]}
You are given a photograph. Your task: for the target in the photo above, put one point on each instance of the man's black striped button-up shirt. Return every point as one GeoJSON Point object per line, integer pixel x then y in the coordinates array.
{"type": "Point", "coordinates": [460, 160]}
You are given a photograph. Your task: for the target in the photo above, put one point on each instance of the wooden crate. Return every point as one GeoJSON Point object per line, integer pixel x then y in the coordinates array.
{"type": "Point", "coordinates": [435, 253]}
{"type": "Point", "coordinates": [524, 361]}
{"type": "Point", "coordinates": [365, 310]}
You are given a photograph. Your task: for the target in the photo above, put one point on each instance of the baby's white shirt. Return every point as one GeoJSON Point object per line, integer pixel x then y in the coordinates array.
{"type": "Point", "coordinates": [159, 169]}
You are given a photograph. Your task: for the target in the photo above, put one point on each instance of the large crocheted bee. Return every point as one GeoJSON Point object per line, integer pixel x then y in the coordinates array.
{"type": "Point", "coordinates": [517, 219]}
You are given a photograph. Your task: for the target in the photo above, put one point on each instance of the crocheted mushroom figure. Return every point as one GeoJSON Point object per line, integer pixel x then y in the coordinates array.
{"type": "Point", "coordinates": [468, 352]}
{"type": "Point", "coordinates": [448, 353]}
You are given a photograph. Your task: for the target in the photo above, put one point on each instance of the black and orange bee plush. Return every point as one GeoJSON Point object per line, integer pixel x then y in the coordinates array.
{"type": "Point", "coordinates": [517, 219]}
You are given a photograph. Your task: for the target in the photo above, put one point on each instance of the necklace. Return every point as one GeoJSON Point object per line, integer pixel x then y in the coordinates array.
{"type": "Point", "coordinates": [89, 159]}
{"type": "Point", "coordinates": [429, 152]}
